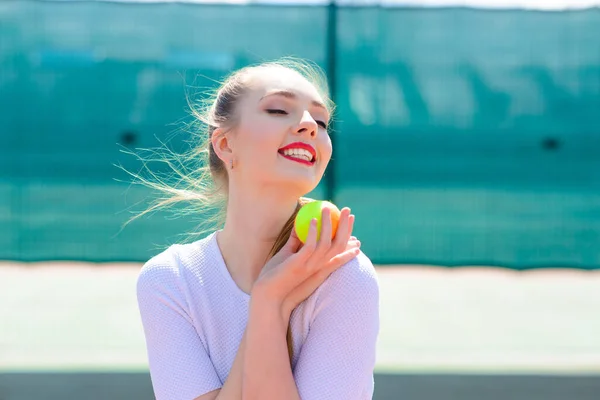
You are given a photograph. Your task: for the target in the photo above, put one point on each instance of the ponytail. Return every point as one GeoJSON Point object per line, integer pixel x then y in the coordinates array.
{"type": "Point", "coordinates": [281, 240]}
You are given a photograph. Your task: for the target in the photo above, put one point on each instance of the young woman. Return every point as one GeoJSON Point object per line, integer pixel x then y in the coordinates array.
{"type": "Point", "coordinates": [249, 312]}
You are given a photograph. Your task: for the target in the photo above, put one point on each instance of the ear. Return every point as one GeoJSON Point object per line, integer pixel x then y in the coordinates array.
{"type": "Point", "coordinates": [222, 145]}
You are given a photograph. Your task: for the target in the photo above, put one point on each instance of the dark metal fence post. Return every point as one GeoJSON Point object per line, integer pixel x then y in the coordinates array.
{"type": "Point", "coordinates": [330, 174]}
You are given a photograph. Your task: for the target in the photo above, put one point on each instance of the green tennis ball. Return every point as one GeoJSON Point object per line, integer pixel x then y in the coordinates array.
{"type": "Point", "coordinates": [312, 210]}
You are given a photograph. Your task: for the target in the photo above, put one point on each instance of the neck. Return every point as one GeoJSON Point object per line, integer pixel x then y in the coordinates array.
{"type": "Point", "coordinates": [254, 220]}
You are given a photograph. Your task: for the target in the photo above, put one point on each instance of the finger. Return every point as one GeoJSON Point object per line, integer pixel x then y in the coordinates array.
{"type": "Point", "coordinates": [353, 244]}
{"type": "Point", "coordinates": [310, 284]}
{"type": "Point", "coordinates": [351, 219]}
{"type": "Point", "coordinates": [325, 234]}
{"type": "Point", "coordinates": [311, 241]}
{"type": "Point", "coordinates": [343, 258]}
{"type": "Point", "coordinates": [338, 261]}
{"type": "Point", "coordinates": [349, 240]}
{"type": "Point", "coordinates": [342, 225]}
{"type": "Point", "coordinates": [341, 235]}
{"type": "Point", "coordinates": [293, 243]}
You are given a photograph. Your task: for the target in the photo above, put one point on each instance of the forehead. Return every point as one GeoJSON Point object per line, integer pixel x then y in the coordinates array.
{"type": "Point", "coordinates": [272, 80]}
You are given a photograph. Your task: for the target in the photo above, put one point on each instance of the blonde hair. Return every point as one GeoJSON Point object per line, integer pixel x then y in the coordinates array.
{"type": "Point", "coordinates": [198, 177]}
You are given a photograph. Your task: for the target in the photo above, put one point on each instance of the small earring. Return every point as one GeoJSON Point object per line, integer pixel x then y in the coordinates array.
{"type": "Point", "coordinates": [231, 164]}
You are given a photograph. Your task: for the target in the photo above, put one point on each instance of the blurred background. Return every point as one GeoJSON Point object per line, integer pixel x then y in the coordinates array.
{"type": "Point", "coordinates": [466, 141]}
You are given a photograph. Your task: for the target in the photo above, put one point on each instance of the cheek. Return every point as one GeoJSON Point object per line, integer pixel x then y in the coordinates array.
{"type": "Point", "coordinates": [326, 148]}
{"type": "Point", "coordinates": [261, 142]}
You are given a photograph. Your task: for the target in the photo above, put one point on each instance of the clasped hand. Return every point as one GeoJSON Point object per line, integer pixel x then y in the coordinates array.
{"type": "Point", "coordinates": [297, 270]}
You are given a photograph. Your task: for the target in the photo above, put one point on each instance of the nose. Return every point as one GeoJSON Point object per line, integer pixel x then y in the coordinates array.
{"type": "Point", "coordinates": [307, 126]}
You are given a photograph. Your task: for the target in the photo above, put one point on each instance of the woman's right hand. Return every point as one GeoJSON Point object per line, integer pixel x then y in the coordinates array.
{"type": "Point", "coordinates": [297, 270]}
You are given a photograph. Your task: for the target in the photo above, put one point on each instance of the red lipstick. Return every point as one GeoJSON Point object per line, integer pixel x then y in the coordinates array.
{"type": "Point", "coordinates": [300, 145]}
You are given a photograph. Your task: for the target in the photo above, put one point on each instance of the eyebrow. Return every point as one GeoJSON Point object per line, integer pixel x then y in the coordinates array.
{"type": "Point", "coordinates": [292, 95]}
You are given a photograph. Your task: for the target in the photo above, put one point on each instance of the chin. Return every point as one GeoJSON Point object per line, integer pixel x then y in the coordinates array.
{"type": "Point", "coordinates": [297, 183]}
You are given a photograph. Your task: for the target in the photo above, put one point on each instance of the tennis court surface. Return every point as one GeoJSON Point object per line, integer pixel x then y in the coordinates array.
{"type": "Point", "coordinates": [454, 333]}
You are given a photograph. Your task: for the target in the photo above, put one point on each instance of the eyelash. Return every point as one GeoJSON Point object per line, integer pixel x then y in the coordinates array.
{"type": "Point", "coordinates": [283, 112]}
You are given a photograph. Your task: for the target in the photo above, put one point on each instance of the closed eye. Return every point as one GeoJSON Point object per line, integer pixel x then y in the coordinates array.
{"type": "Point", "coordinates": [283, 112]}
{"type": "Point", "coordinates": [276, 111]}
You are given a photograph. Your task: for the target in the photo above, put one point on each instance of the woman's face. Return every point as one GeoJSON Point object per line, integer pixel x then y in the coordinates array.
{"type": "Point", "coordinates": [281, 136]}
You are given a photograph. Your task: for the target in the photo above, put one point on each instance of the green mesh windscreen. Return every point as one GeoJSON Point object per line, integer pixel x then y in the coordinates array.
{"type": "Point", "coordinates": [462, 136]}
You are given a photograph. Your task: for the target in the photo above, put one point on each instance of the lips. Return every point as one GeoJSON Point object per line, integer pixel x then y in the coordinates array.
{"type": "Point", "coordinates": [298, 160]}
{"type": "Point", "coordinates": [300, 145]}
